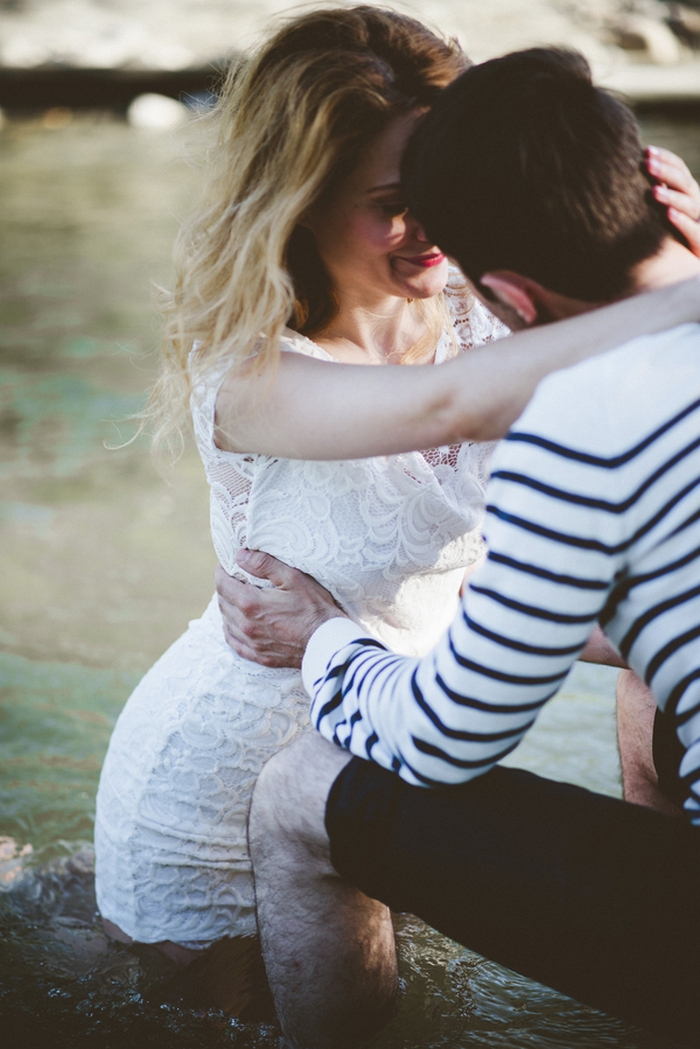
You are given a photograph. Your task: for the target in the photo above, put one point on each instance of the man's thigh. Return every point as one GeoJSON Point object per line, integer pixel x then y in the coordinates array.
{"type": "Point", "coordinates": [585, 893]}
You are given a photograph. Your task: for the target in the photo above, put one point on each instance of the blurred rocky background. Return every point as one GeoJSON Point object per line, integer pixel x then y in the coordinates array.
{"type": "Point", "coordinates": [648, 49]}
{"type": "Point", "coordinates": [179, 34]}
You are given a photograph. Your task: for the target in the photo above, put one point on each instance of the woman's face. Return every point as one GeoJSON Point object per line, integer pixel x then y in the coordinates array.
{"type": "Point", "coordinates": [370, 244]}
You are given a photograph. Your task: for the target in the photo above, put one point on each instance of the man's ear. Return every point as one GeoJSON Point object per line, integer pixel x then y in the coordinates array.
{"type": "Point", "coordinates": [514, 293]}
{"type": "Point", "coordinates": [530, 301]}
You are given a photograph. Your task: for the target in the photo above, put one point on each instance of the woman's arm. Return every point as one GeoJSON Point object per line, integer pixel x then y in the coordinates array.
{"type": "Point", "coordinates": [311, 409]}
{"type": "Point", "coordinates": [678, 191]}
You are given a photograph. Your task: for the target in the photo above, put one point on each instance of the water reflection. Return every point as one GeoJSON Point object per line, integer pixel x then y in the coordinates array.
{"type": "Point", "coordinates": [103, 566]}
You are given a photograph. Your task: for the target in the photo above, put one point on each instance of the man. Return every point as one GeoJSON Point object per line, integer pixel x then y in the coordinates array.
{"type": "Point", "coordinates": [525, 172]}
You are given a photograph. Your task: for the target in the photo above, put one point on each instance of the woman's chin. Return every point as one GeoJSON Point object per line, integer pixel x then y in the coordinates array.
{"type": "Point", "coordinates": [426, 289]}
{"type": "Point", "coordinates": [424, 284]}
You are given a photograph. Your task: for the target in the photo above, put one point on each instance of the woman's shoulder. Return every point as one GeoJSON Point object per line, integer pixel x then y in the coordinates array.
{"type": "Point", "coordinates": [207, 377]}
{"type": "Point", "coordinates": [472, 321]}
{"type": "Point", "coordinates": [294, 342]}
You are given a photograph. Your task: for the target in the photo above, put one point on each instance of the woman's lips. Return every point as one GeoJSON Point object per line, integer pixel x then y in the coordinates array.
{"type": "Point", "coordinates": [424, 261]}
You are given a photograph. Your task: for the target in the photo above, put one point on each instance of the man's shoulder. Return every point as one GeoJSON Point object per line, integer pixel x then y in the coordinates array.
{"type": "Point", "coordinates": [618, 396]}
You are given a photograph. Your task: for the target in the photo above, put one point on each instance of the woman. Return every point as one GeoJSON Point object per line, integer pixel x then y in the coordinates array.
{"type": "Point", "coordinates": [304, 250]}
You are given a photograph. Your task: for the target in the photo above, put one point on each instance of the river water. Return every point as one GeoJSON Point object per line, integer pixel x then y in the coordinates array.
{"type": "Point", "coordinates": [103, 564]}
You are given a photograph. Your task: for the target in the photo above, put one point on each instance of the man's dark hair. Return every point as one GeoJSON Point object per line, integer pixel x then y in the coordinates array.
{"type": "Point", "coordinates": [523, 164]}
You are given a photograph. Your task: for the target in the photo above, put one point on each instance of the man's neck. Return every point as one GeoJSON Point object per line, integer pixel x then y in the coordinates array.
{"type": "Point", "coordinates": [671, 264]}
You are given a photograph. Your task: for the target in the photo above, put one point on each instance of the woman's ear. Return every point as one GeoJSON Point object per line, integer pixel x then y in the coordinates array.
{"type": "Point", "coordinates": [308, 218]}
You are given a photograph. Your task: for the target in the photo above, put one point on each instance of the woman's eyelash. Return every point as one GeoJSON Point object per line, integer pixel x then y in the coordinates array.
{"type": "Point", "coordinates": [395, 208]}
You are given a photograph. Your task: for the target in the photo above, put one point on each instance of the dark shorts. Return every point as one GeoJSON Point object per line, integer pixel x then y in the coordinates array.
{"type": "Point", "coordinates": [667, 752]}
{"type": "Point", "coordinates": [589, 895]}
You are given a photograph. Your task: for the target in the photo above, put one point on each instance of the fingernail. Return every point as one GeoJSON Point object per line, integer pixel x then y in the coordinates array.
{"type": "Point", "coordinates": [661, 193]}
{"type": "Point", "coordinates": [242, 556]}
{"type": "Point", "coordinates": [652, 151]}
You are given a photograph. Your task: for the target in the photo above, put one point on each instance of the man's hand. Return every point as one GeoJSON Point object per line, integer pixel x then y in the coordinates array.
{"type": "Point", "coordinates": [271, 625]}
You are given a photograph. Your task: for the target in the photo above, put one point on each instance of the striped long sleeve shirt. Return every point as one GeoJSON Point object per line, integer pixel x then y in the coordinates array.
{"type": "Point", "coordinates": [593, 516]}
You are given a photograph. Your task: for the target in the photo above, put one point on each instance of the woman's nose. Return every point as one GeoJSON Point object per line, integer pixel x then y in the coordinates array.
{"type": "Point", "coordinates": [415, 227]}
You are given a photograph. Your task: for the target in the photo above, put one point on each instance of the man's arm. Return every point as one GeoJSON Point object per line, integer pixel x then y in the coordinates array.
{"type": "Point", "coordinates": [525, 618]}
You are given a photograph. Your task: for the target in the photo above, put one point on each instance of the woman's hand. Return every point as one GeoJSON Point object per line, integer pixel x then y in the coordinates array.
{"type": "Point", "coordinates": [678, 191]}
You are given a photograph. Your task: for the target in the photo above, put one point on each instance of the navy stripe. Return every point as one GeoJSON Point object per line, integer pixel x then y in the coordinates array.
{"type": "Point", "coordinates": [336, 738]}
{"type": "Point", "coordinates": [544, 573]}
{"type": "Point", "coordinates": [682, 527]}
{"type": "Point", "coordinates": [607, 463]}
{"type": "Point", "coordinates": [332, 704]}
{"type": "Point", "coordinates": [467, 737]}
{"type": "Point", "coordinates": [676, 695]}
{"type": "Point", "coordinates": [668, 650]}
{"type": "Point", "coordinates": [357, 716]}
{"type": "Point", "coordinates": [598, 504]}
{"type": "Point", "coordinates": [628, 583]}
{"type": "Point", "coordinates": [371, 740]}
{"type": "Point", "coordinates": [657, 610]}
{"type": "Point", "coordinates": [495, 708]}
{"type": "Point", "coordinates": [531, 610]}
{"type": "Point", "coordinates": [499, 675]}
{"type": "Point", "coordinates": [427, 781]}
{"type": "Point", "coordinates": [594, 544]}
{"type": "Point", "coordinates": [332, 672]}
{"type": "Point", "coordinates": [365, 667]}
{"type": "Point", "coordinates": [549, 533]}
{"type": "Point", "coordinates": [461, 763]}
{"type": "Point", "coordinates": [517, 646]}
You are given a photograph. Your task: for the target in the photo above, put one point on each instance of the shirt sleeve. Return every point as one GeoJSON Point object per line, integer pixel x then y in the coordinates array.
{"type": "Point", "coordinates": [556, 543]}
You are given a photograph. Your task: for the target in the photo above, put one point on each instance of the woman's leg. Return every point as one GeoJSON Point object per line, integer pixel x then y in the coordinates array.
{"type": "Point", "coordinates": [229, 975]}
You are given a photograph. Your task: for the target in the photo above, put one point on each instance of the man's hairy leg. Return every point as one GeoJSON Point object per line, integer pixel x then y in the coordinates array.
{"type": "Point", "coordinates": [636, 709]}
{"type": "Point", "coordinates": [329, 950]}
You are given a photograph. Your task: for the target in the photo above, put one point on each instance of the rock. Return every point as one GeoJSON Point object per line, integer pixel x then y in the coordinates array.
{"type": "Point", "coordinates": [639, 33]}
{"type": "Point", "coordinates": [685, 23]}
{"type": "Point", "coordinates": [156, 113]}
{"type": "Point", "coordinates": [12, 857]}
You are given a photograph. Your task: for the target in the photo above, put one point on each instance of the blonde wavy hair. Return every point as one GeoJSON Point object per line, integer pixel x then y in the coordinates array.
{"type": "Point", "coordinates": [291, 122]}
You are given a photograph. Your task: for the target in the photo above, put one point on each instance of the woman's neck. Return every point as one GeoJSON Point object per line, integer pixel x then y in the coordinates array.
{"type": "Point", "coordinates": [378, 335]}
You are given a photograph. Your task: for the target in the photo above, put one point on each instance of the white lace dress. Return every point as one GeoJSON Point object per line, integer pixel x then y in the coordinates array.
{"type": "Point", "coordinates": [390, 538]}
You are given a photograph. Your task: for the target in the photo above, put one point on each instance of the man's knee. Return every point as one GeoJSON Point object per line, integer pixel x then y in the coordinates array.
{"type": "Point", "coordinates": [289, 800]}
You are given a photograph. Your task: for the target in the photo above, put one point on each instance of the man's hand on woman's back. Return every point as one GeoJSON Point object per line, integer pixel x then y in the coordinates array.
{"type": "Point", "coordinates": [271, 625]}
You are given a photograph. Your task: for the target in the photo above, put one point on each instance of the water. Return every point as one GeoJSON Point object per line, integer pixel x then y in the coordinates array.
{"type": "Point", "coordinates": [103, 565]}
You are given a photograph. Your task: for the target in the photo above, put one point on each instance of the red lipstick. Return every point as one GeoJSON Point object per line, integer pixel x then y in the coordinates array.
{"type": "Point", "coordinates": [425, 261]}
